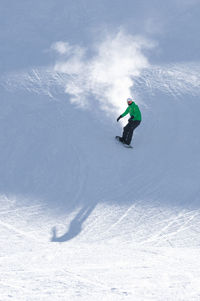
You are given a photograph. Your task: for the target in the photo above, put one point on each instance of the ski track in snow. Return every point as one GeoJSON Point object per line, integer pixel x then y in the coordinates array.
{"type": "Point", "coordinates": [86, 268]}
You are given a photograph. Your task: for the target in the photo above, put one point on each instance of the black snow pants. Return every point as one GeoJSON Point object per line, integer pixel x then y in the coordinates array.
{"type": "Point", "coordinates": [128, 130]}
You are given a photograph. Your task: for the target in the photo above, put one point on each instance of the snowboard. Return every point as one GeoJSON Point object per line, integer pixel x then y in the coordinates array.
{"type": "Point", "coordinates": [125, 145]}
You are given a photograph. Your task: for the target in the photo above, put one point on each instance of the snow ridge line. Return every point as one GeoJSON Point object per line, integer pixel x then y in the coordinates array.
{"type": "Point", "coordinates": [177, 79]}
{"type": "Point", "coordinates": [173, 79]}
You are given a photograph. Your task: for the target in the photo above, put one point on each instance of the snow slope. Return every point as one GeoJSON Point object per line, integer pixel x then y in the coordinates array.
{"type": "Point", "coordinates": [81, 217]}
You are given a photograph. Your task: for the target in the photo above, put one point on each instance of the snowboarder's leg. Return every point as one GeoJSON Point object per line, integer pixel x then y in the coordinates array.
{"type": "Point", "coordinates": [126, 132]}
{"type": "Point", "coordinates": [129, 136]}
{"type": "Point", "coordinates": [136, 123]}
{"type": "Point", "coordinates": [129, 131]}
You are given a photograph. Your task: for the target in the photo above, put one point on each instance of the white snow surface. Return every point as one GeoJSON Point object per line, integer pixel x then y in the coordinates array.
{"type": "Point", "coordinates": [82, 217]}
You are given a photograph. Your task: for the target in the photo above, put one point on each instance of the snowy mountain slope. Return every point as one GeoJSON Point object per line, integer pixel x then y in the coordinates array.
{"type": "Point", "coordinates": [170, 122]}
{"type": "Point", "coordinates": [83, 217]}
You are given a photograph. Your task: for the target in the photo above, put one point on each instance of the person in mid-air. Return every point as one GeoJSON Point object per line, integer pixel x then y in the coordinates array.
{"type": "Point", "coordinates": [133, 121]}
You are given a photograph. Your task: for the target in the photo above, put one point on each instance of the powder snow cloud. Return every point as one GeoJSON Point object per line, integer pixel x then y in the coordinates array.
{"type": "Point", "coordinates": [109, 71]}
{"type": "Point", "coordinates": [108, 74]}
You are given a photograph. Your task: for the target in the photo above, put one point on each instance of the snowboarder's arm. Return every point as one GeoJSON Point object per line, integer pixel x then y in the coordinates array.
{"type": "Point", "coordinates": [119, 118]}
{"type": "Point", "coordinates": [126, 112]}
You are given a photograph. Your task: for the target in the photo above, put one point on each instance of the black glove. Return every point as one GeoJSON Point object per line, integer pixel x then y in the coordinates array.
{"type": "Point", "coordinates": [119, 118]}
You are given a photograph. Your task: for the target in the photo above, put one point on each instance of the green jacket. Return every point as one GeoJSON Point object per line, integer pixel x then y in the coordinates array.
{"type": "Point", "coordinates": [133, 110]}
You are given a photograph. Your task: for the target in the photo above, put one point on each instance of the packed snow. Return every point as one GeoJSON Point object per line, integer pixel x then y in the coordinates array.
{"type": "Point", "coordinates": [82, 217]}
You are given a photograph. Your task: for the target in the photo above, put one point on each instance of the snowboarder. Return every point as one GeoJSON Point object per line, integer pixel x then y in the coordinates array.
{"type": "Point", "coordinates": [133, 121]}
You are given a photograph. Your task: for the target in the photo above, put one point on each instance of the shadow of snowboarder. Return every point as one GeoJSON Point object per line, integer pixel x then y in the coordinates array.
{"type": "Point", "coordinates": [75, 226]}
